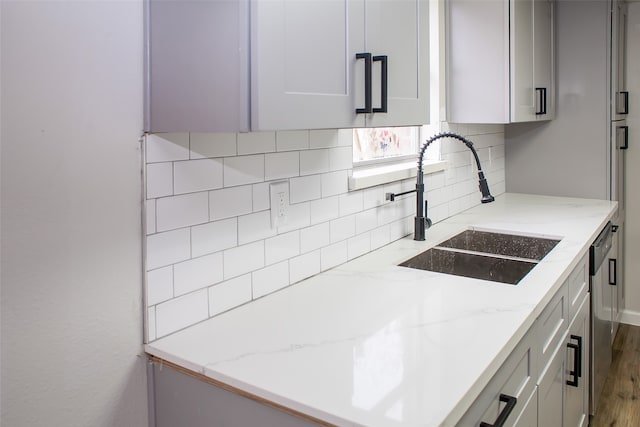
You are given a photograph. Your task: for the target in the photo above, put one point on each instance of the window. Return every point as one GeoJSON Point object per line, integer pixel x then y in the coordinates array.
{"type": "Point", "coordinates": [379, 145]}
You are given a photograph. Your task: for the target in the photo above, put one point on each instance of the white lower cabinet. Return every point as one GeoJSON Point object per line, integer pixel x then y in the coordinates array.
{"type": "Point", "coordinates": [544, 381]}
{"type": "Point", "coordinates": [529, 415]}
{"type": "Point", "coordinates": [576, 411]}
{"type": "Point", "coordinates": [550, 390]}
{"type": "Point", "coordinates": [506, 400]}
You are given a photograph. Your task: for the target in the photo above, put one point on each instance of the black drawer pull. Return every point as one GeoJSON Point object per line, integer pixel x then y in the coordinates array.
{"type": "Point", "coordinates": [368, 65]}
{"type": "Point", "coordinates": [624, 108]}
{"type": "Point", "coordinates": [383, 83]}
{"type": "Point", "coordinates": [541, 97]}
{"type": "Point", "coordinates": [577, 361]}
{"type": "Point", "coordinates": [625, 140]}
{"type": "Point", "coordinates": [506, 411]}
{"type": "Point", "coordinates": [613, 271]}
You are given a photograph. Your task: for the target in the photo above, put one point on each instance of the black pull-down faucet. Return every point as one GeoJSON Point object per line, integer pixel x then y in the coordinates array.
{"type": "Point", "coordinates": [421, 220]}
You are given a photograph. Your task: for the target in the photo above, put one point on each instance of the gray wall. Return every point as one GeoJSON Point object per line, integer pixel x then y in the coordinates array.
{"type": "Point", "coordinates": [71, 248]}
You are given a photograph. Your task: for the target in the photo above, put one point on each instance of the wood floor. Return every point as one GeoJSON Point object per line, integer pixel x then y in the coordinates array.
{"type": "Point", "coordinates": [619, 405]}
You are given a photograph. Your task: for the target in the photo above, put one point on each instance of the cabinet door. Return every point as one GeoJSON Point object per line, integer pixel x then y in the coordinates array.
{"type": "Point", "coordinates": [197, 66]}
{"type": "Point", "coordinates": [399, 30]}
{"type": "Point", "coordinates": [522, 60]}
{"type": "Point", "coordinates": [529, 415]}
{"type": "Point", "coordinates": [544, 93]}
{"type": "Point", "coordinates": [550, 390]}
{"type": "Point", "coordinates": [577, 369]}
{"type": "Point", "coordinates": [477, 61]}
{"type": "Point", "coordinates": [304, 66]}
{"type": "Point", "coordinates": [620, 104]}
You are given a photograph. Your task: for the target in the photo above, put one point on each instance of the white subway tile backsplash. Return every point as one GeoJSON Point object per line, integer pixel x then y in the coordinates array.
{"type": "Point", "coordinates": [212, 262]}
{"type": "Point", "coordinates": [434, 180]}
{"type": "Point", "coordinates": [326, 138]}
{"type": "Point", "coordinates": [282, 247]}
{"type": "Point", "coordinates": [197, 175]}
{"type": "Point", "coordinates": [373, 197]}
{"type": "Point", "coordinates": [227, 295]}
{"type": "Point", "coordinates": [261, 196]}
{"type": "Point", "coordinates": [399, 229]}
{"type": "Point", "coordinates": [230, 202]}
{"type": "Point", "coordinates": [213, 145]}
{"type": "Point", "coordinates": [292, 140]}
{"type": "Point", "coordinates": [168, 248]}
{"type": "Point", "coordinates": [243, 259]}
{"type": "Point", "coordinates": [380, 236]}
{"type": "Point", "coordinates": [340, 158]}
{"type": "Point", "coordinates": [243, 170]}
{"type": "Point", "coordinates": [214, 236]}
{"type": "Point", "coordinates": [256, 142]}
{"type": "Point", "coordinates": [343, 228]}
{"type": "Point", "coordinates": [197, 273]}
{"type": "Point", "coordinates": [366, 220]}
{"type": "Point", "coordinates": [314, 161]}
{"type": "Point", "coordinates": [159, 180]}
{"type": "Point", "coordinates": [167, 147]}
{"type": "Point", "coordinates": [334, 183]}
{"type": "Point", "coordinates": [181, 312]}
{"type": "Point", "coordinates": [315, 237]}
{"type": "Point", "coordinates": [304, 266]}
{"type": "Point", "coordinates": [325, 209]}
{"type": "Point", "coordinates": [351, 203]}
{"type": "Point", "coordinates": [182, 211]}
{"type": "Point", "coordinates": [358, 245]}
{"type": "Point", "coordinates": [150, 216]}
{"type": "Point", "coordinates": [255, 226]}
{"type": "Point", "coordinates": [281, 165]}
{"type": "Point", "coordinates": [305, 188]}
{"type": "Point", "coordinates": [159, 285]}
{"type": "Point", "coordinates": [270, 279]}
{"type": "Point", "coordinates": [333, 255]}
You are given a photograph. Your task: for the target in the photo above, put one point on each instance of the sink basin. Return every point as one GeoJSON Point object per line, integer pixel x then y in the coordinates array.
{"type": "Point", "coordinates": [512, 245]}
{"type": "Point", "coordinates": [486, 255]}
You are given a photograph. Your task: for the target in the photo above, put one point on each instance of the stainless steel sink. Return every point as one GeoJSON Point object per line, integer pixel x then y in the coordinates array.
{"type": "Point", "coordinates": [498, 257]}
{"type": "Point", "coordinates": [513, 245]}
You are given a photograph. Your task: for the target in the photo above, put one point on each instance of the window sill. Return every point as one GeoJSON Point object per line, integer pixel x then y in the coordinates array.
{"type": "Point", "coordinates": [371, 176]}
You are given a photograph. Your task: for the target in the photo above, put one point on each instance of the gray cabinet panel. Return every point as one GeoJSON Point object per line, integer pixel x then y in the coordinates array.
{"type": "Point", "coordinates": [181, 400]}
{"type": "Point", "coordinates": [197, 66]}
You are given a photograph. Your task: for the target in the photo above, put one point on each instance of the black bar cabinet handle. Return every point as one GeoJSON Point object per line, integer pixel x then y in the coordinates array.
{"type": "Point", "coordinates": [368, 105]}
{"type": "Point", "coordinates": [625, 105]}
{"type": "Point", "coordinates": [614, 262]}
{"type": "Point", "coordinates": [542, 100]}
{"type": "Point", "coordinates": [625, 144]}
{"type": "Point", "coordinates": [502, 418]}
{"type": "Point", "coordinates": [576, 358]}
{"type": "Point", "coordinates": [383, 83]}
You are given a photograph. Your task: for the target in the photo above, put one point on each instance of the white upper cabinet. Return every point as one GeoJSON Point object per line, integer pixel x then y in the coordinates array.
{"type": "Point", "coordinates": [196, 65]}
{"type": "Point", "coordinates": [303, 64]}
{"type": "Point", "coordinates": [500, 66]}
{"type": "Point", "coordinates": [310, 60]}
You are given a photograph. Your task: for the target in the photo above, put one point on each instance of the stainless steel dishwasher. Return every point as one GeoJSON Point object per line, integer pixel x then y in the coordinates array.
{"type": "Point", "coordinates": [602, 272]}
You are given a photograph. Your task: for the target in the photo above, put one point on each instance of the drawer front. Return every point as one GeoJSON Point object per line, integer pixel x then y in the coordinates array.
{"type": "Point", "coordinates": [578, 283]}
{"type": "Point", "coordinates": [552, 325]}
{"type": "Point", "coordinates": [515, 378]}
{"type": "Point", "coordinates": [551, 388]}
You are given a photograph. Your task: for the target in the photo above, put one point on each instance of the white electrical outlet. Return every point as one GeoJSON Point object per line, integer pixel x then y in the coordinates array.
{"type": "Point", "coordinates": [279, 196]}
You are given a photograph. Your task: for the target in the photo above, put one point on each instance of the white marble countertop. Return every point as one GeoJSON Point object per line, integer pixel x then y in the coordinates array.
{"type": "Point", "coordinates": [369, 343]}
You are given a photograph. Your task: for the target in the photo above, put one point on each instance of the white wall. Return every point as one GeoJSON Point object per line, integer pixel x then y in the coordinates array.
{"type": "Point", "coordinates": [210, 245]}
{"type": "Point", "coordinates": [632, 268]}
{"type": "Point", "coordinates": [71, 246]}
